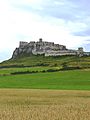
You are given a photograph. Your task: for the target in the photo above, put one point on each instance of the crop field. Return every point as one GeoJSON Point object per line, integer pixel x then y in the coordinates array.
{"type": "Point", "coordinates": [28, 104]}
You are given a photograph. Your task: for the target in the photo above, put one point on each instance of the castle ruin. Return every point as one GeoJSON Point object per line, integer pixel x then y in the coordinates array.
{"type": "Point", "coordinates": [46, 48]}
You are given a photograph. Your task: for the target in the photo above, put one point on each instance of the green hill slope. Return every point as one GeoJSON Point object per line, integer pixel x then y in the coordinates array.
{"type": "Point", "coordinates": [60, 61]}
{"type": "Point", "coordinates": [39, 72]}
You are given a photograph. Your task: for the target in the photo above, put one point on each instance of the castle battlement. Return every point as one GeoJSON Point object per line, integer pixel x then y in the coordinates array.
{"type": "Point", "coordinates": [23, 44]}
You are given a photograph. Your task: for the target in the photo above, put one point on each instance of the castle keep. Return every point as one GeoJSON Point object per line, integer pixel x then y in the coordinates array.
{"type": "Point", "coordinates": [46, 48]}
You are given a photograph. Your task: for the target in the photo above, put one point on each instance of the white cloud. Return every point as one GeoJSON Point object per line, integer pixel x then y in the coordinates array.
{"type": "Point", "coordinates": [32, 3]}
{"type": "Point", "coordinates": [17, 24]}
{"type": "Point", "coordinates": [76, 26]}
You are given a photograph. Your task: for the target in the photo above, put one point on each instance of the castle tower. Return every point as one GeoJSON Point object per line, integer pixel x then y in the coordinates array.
{"type": "Point", "coordinates": [22, 44]}
{"type": "Point", "coordinates": [80, 51]}
{"type": "Point", "coordinates": [40, 40]}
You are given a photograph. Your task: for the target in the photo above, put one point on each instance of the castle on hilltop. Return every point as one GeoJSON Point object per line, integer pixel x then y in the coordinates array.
{"type": "Point", "coordinates": [46, 48]}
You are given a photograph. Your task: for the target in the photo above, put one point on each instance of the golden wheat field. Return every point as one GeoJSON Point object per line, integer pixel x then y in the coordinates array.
{"type": "Point", "coordinates": [20, 104]}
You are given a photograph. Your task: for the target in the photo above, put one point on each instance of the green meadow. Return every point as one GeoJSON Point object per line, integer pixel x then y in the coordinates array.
{"type": "Point", "coordinates": [39, 72]}
{"type": "Point", "coordinates": [65, 80]}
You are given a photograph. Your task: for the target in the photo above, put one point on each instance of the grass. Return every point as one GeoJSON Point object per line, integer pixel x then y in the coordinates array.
{"type": "Point", "coordinates": [65, 80]}
{"type": "Point", "coordinates": [73, 61]}
{"type": "Point", "coordinates": [20, 104]}
{"type": "Point", "coordinates": [8, 71]}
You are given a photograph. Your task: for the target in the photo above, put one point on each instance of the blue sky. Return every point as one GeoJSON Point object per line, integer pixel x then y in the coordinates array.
{"type": "Point", "coordinates": [65, 22]}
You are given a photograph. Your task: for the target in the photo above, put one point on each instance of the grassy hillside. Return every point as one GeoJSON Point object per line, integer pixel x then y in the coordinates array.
{"type": "Point", "coordinates": [46, 73]}
{"type": "Point", "coordinates": [70, 61]}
